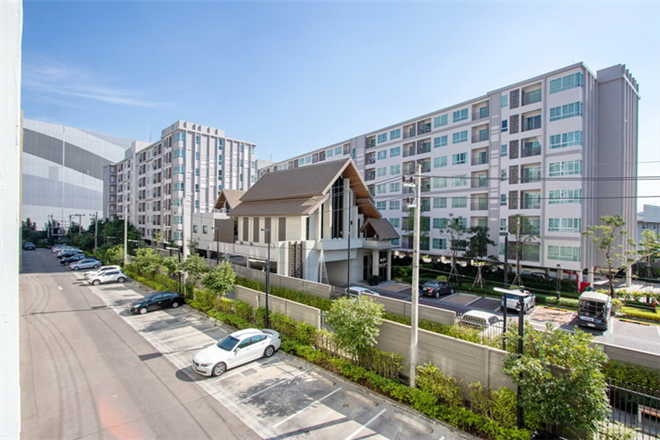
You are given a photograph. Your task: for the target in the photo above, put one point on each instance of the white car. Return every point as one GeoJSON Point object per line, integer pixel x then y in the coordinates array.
{"type": "Point", "coordinates": [513, 298]}
{"type": "Point", "coordinates": [110, 276]}
{"type": "Point", "coordinates": [236, 349]}
{"type": "Point", "coordinates": [100, 270]}
{"type": "Point", "coordinates": [359, 290]}
{"type": "Point", "coordinates": [488, 324]}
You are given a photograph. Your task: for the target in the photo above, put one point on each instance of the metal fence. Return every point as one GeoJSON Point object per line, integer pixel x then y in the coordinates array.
{"type": "Point", "coordinates": [636, 408]}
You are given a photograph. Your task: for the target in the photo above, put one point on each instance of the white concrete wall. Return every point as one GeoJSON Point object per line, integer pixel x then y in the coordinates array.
{"type": "Point", "coordinates": [11, 33]}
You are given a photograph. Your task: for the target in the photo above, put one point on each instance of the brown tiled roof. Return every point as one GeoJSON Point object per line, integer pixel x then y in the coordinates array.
{"type": "Point", "coordinates": [229, 196]}
{"type": "Point", "coordinates": [300, 191]}
{"type": "Point", "coordinates": [382, 228]}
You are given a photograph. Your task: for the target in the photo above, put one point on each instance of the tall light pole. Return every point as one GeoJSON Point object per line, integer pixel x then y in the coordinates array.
{"type": "Point", "coordinates": [414, 297]}
{"type": "Point", "coordinates": [125, 232]}
{"type": "Point", "coordinates": [96, 230]}
{"type": "Point", "coordinates": [558, 285]}
{"type": "Point", "coordinates": [267, 231]}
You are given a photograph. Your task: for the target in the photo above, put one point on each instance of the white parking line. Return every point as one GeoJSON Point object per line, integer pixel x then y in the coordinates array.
{"type": "Point", "coordinates": [306, 408]}
{"type": "Point", "coordinates": [366, 424]}
{"type": "Point", "coordinates": [272, 386]}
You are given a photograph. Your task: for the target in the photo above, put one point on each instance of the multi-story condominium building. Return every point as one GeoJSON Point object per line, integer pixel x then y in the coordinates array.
{"type": "Point", "coordinates": [63, 171]}
{"type": "Point", "coordinates": [559, 149]}
{"type": "Point", "coordinates": [168, 186]}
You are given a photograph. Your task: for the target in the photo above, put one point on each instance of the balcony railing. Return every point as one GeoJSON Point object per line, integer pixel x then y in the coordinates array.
{"type": "Point", "coordinates": [371, 159]}
{"type": "Point", "coordinates": [530, 151]}
{"type": "Point", "coordinates": [480, 114]}
{"type": "Point", "coordinates": [424, 148]}
{"type": "Point", "coordinates": [410, 132]}
{"type": "Point", "coordinates": [480, 159]}
{"type": "Point", "coordinates": [479, 182]}
{"type": "Point", "coordinates": [424, 128]}
{"type": "Point", "coordinates": [371, 143]}
{"type": "Point", "coordinates": [534, 203]}
{"type": "Point", "coordinates": [409, 151]}
{"type": "Point", "coordinates": [480, 137]}
{"type": "Point", "coordinates": [479, 205]}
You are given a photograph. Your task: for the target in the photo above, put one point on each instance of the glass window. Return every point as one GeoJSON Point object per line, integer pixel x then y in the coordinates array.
{"type": "Point", "coordinates": [439, 202]}
{"type": "Point", "coordinates": [382, 138]}
{"type": "Point", "coordinates": [439, 182]}
{"type": "Point", "coordinates": [459, 159]}
{"type": "Point", "coordinates": [395, 169]}
{"type": "Point", "coordinates": [460, 115]}
{"type": "Point", "coordinates": [565, 140]}
{"type": "Point", "coordinates": [395, 134]}
{"type": "Point", "coordinates": [396, 151]}
{"type": "Point", "coordinates": [329, 152]}
{"type": "Point", "coordinates": [439, 243]}
{"type": "Point", "coordinates": [439, 223]}
{"type": "Point", "coordinates": [565, 196]}
{"type": "Point", "coordinates": [439, 162]}
{"type": "Point", "coordinates": [505, 125]}
{"type": "Point", "coordinates": [395, 187]}
{"type": "Point", "coordinates": [395, 222]}
{"type": "Point", "coordinates": [502, 199]}
{"type": "Point", "coordinates": [440, 141]}
{"type": "Point", "coordinates": [460, 180]}
{"type": "Point", "coordinates": [395, 204]}
{"type": "Point", "coordinates": [381, 206]}
{"type": "Point", "coordinates": [461, 136]}
{"type": "Point", "coordinates": [381, 155]}
{"type": "Point", "coordinates": [566, 82]}
{"type": "Point", "coordinates": [459, 202]}
{"type": "Point", "coordinates": [504, 100]}
{"type": "Point", "coordinates": [381, 171]}
{"type": "Point", "coordinates": [566, 111]}
{"type": "Point", "coordinates": [338, 150]}
{"type": "Point", "coordinates": [440, 121]}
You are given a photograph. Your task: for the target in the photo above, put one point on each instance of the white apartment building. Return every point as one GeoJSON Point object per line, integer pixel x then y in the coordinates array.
{"type": "Point", "coordinates": [559, 148]}
{"type": "Point", "coordinates": [169, 186]}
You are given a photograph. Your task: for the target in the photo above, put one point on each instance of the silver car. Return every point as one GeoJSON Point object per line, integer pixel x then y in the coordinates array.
{"type": "Point", "coordinates": [100, 270]}
{"type": "Point", "coordinates": [111, 276]}
{"type": "Point", "coordinates": [87, 263]}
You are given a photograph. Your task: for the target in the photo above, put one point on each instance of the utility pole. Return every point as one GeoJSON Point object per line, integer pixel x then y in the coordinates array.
{"type": "Point", "coordinates": [125, 233]}
{"type": "Point", "coordinates": [414, 292]}
{"type": "Point", "coordinates": [96, 230]}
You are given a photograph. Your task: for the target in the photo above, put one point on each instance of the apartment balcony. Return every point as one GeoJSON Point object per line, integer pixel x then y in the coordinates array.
{"type": "Point", "coordinates": [530, 203]}
{"type": "Point", "coordinates": [423, 147]}
{"type": "Point", "coordinates": [479, 182]}
{"type": "Point", "coordinates": [480, 159]}
{"type": "Point", "coordinates": [529, 150]}
{"type": "Point", "coordinates": [481, 136]}
{"type": "Point", "coordinates": [409, 150]}
{"type": "Point", "coordinates": [479, 205]}
{"type": "Point", "coordinates": [370, 159]}
{"type": "Point", "coordinates": [370, 143]}
{"type": "Point", "coordinates": [532, 97]}
{"type": "Point", "coordinates": [423, 127]}
{"type": "Point", "coordinates": [531, 123]}
{"type": "Point", "coordinates": [409, 132]}
{"type": "Point", "coordinates": [426, 166]}
{"type": "Point", "coordinates": [530, 178]}
{"type": "Point", "coordinates": [482, 113]}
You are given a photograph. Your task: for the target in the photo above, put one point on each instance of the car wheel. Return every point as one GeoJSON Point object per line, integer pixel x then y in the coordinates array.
{"type": "Point", "coordinates": [143, 310]}
{"type": "Point", "coordinates": [96, 282]}
{"type": "Point", "coordinates": [96, 266]}
{"type": "Point", "coordinates": [75, 268]}
{"type": "Point", "coordinates": [451, 292]}
{"type": "Point", "coordinates": [270, 350]}
{"type": "Point", "coordinates": [437, 294]}
{"type": "Point", "coordinates": [175, 305]}
{"type": "Point", "coordinates": [121, 279]}
{"type": "Point", "coordinates": [218, 369]}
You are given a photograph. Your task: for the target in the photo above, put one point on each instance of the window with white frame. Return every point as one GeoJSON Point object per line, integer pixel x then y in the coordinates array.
{"type": "Point", "coordinates": [439, 223]}
{"type": "Point", "coordinates": [566, 83]}
{"type": "Point", "coordinates": [459, 159]}
{"type": "Point", "coordinates": [565, 140]}
{"type": "Point", "coordinates": [381, 188]}
{"type": "Point", "coordinates": [440, 162]}
{"type": "Point", "coordinates": [439, 202]}
{"type": "Point", "coordinates": [565, 168]}
{"type": "Point", "coordinates": [395, 134]}
{"type": "Point", "coordinates": [440, 141]}
{"type": "Point", "coordinates": [395, 151]}
{"type": "Point", "coordinates": [503, 227]}
{"type": "Point", "coordinates": [382, 138]}
{"type": "Point", "coordinates": [564, 225]}
{"type": "Point", "coordinates": [565, 196]}
{"type": "Point", "coordinates": [395, 222]}
{"type": "Point", "coordinates": [461, 136]}
{"type": "Point", "coordinates": [504, 150]}
{"type": "Point", "coordinates": [459, 202]}
{"type": "Point", "coordinates": [395, 204]}
{"type": "Point", "coordinates": [440, 243]}
{"type": "Point", "coordinates": [563, 253]}
{"type": "Point", "coordinates": [395, 170]}
{"type": "Point", "coordinates": [381, 206]}
{"type": "Point", "coordinates": [439, 182]}
{"type": "Point", "coordinates": [502, 199]}
{"type": "Point", "coordinates": [382, 154]}
{"type": "Point", "coordinates": [395, 187]}
{"type": "Point", "coordinates": [460, 115]}
{"type": "Point", "coordinates": [459, 180]}
{"type": "Point", "coordinates": [440, 121]}
{"type": "Point", "coordinates": [381, 171]}
{"type": "Point", "coordinates": [566, 111]}
{"type": "Point", "coordinates": [504, 100]}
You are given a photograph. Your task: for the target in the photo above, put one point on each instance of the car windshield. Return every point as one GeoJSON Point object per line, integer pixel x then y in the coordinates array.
{"type": "Point", "coordinates": [430, 284]}
{"type": "Point", "coordinates": [228, 343]}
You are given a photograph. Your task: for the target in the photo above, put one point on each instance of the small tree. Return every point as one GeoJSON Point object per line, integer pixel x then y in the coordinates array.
{"type": "Point", "coordinates": [454, 232]}
{"type": "Point", "coordinates": [195, 267]}
{"type": "Point", "coordinates": [477, 249]}
{"type": "Point", "coordinates": [560, 381]}
{"type": "Point", "coordinates": [147, 260]}
{"type": "Point", "coordinates": [649, 249]}
{"type": "Point", "coordinates": [609, 238]}
{"type": "Point", "coordinates": [221, 279]}
{"type": "Point", "coordinates": [356, 323]}
{"type": "Point", "coordinates": [523, 232]}
{"type": "Point", "coordinates": [174, 267]}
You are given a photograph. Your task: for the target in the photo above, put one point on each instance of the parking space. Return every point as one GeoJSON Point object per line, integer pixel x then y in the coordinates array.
{"type": "Point", "coordinates": [279, 397]}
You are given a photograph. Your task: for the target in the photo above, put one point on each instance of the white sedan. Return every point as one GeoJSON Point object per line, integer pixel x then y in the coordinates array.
{"type": "Point", "coordinates": [236, 349]}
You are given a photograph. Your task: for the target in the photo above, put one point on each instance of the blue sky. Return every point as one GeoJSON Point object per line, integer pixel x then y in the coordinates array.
{"type": "Point", "coordinates": [296, 76]}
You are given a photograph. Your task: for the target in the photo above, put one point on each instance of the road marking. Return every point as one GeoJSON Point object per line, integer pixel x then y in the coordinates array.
{"type": "Point", "coordinates": [366, 424]}
{"type": "Point", "coordinates": [306, 408]}
{"type": "Point", "coordinates": [272, 386]}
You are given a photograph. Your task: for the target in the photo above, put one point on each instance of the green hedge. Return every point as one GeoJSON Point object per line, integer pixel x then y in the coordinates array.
{"type": "Point", "coordinates": [632, 312]}
{"type": "Point", "coordinates": [292, 295]}
{"type": "Point", "coordinates": [627, 373]}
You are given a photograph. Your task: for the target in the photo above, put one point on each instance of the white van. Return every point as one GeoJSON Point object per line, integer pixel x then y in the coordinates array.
{"type": "Point", "coordinates": [489, 324]}
{"type": "Point", "coordinates": [358, 290]}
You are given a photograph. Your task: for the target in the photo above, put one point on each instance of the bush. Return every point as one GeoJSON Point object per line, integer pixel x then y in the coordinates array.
{"type": "Point", "coordinates": [243, 310]}
{"type": "Point", "coordinates": [381, 362]}
{"type": "Point", "coordinates": [206, 299]}
{"type": "Point", "coordinates": [445, 388]}
{"type": "Point", "coordinates": [563, 302]}
{"type": "Point", "coordinates": [632, 312]}
{"type": "Point", "coordinates": [624, 373]}
{"type": "Point", "coordinates": [498, 405]}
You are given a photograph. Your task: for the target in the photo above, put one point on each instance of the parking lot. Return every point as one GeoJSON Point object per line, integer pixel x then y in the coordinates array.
{"type": "Point", "coordinates": [280, 397]}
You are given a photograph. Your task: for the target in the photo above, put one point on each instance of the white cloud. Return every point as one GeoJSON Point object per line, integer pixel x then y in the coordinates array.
{"type": "Point", "coordinates": [56, 78]}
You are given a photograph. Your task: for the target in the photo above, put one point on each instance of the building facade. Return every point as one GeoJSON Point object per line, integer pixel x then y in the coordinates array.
{"type": "Point", "coordinates": [63, 172]}
{"type": "Point", "coordinates": [559, 149]}
{"type": "Point", "coordinates": [169, 186]}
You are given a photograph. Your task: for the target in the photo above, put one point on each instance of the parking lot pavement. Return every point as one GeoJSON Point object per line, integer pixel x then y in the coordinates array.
{"type": "Point", "coordinates": [280, 397]}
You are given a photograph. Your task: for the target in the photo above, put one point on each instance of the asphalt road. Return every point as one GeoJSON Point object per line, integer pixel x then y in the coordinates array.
{"type": "Point", "coordinates": [644, 337]}
{"type": "Point", "coordinates": [86, 374]}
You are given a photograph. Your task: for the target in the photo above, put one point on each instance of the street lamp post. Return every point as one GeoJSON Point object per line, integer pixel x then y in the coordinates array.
{"type": "Point", "coordinates": [558, 285]}
{"type": "Point", "coordinates": [267, 231]}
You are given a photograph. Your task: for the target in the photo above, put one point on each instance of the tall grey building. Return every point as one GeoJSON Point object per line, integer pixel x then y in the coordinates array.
{"type": "Point", "coordinates": [63, 171]}
{"type": "Point", "coordinates": [559, 148]}
{"type": "Point", "coordinates": [169, 187]}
